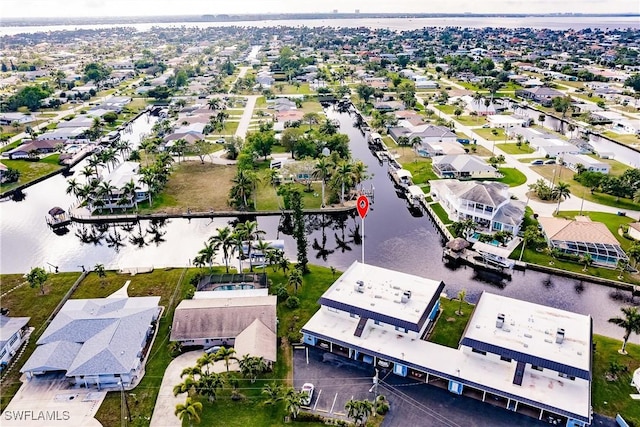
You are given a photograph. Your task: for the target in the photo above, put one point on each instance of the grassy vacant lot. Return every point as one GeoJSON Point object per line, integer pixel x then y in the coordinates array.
{"type": "Point", "coordinates": [167, 285]}
{"type": "Point", "coordinates": [512, 177]}
{"type": "Point", "coordinates": [311, 107]}
{"type": "Point", "coordinates": [472, 120]}
{"type": "Point", "coordinates": [612, 397]}
{"type": "Point", "coordinates": [447, 109]}
{"type": "Point", "coordinates": [27, 301]}
{"type": "Point", "coordinates": [479, 150]}
{"type": "Point", "coordinates": [30, 171]}
{"type": "Point", "coordinates": [420, 168]}
{"type": "Point", "coordinates": [565, 174]}
{"type": "Point", "coordinates": [487, 134]}
{"type": "Point", "coordinates": [199, 187]}
{"type": "Point", "coordinates": [268, 200]}
{"type": "Point", "coordinates": [450, 326]}
{"type": "Point", "coordinates": [512, 148]}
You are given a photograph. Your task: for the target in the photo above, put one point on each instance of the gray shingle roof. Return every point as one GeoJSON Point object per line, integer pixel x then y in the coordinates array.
{"type": "Point", "coordinates": [97, 336]}
{"type": "Point", "coordinates": [9, 326]}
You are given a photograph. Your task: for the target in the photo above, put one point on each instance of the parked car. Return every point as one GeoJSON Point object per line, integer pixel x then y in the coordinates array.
{"type": "Point", "coordinates": [213, 350]}
{"type": "Point", "coordinates": [486, 126]}
{"type": "Point", "coordinates": [550, 162]}
{"type": "Point", "coordinates": [537, 162]}
{"type": "Point", "coordinates": [307, 393]}
{"type": "Point", "coordinates": [220, 141]}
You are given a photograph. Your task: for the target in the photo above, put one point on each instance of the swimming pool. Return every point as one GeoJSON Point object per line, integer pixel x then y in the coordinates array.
{"type": "Point", "coordinates": [494, 242]}
{"type": "Point", "coordinates": [71, 149]}
{"type": "Point", "coordinates": [233, 287]}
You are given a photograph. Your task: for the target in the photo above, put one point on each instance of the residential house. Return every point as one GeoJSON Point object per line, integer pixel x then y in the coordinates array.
{"type": "Point", "coordinates": [542, 95]}
{"type": "Point", "coordinates": [97, 342]}
{"type": "Point", "coordinates": [589, 163]}
{"type": "Point", "coordinates": [583, 236]}
{"type": "Point", "coordinates": [8, 119]}
{"type": "Point", "coordinates": [465, 166]}
{"type": "Point", "coordinates": [281, 104]}
{"type": "Point", "coordinates": [227, 318]}
{"type": "Point", "coordinates": [124, 173]}
{"type": "Point", "coordinates": [479, 107]}
{"type": "Point", "coordinates": [13, 332]}
{"type": "Point", "coordinates": [445, 148]}
{"type": "Point", "coordinates": [31, 147]}
{"type": "Point", "coordinates": [426, 132]}
{"type": "Point", "coordinates": [488, 204]}
{"type": "Point", "coordinates": [62, 134]}
{"type": "Point", "coordinates": [386, 106]}
{"type": "Point", "coordinates": [634, 230]}
{"type": "Point", "coordinates": [552, 147]}
{"type": "Point", "coordinates": [367, 306]}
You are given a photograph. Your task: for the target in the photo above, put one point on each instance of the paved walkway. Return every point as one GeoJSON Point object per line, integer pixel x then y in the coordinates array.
{"type": "Point", "coordinates": [50, 402]}
{"type": "Point", "coordinates": [163, 414]}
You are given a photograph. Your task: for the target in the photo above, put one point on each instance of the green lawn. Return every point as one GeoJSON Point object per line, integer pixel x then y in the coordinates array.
{"type": "Point", "coordinates": [487, 134]}
{"type": "Point", "coordinates": [512, 148]}
{"type": "Point", "coordinates": [450, 326]}
{"type": "Point", "coordinates": [625, 139]}
{"type": "Point", "coordinates": [421, 170]}
{"type": "Point", "coordinates": [472, 120]}
{"type": "Point", "coordinates": [512, 177]}
{"type": "Point", "coordinates": [447, 109]}
{"type": "Point", "coordinates": [27, 301]}
{"type": "Point", "coordinates": [612, 397]}
{"type": "Point", "coordinates": [565, 174]}
{"type": "Point", "coordinates": [288, 89]}
{"type": "Point", "coordinates": [311, 107]}
{"type": "Point", "coordinates": [268, 200]}
{"type": "Point", "coordinates": [439, 210]}
{"type": "Point", "coordinates": [11, 146]}
{"type": "Point", "coordinates": [30, 171]}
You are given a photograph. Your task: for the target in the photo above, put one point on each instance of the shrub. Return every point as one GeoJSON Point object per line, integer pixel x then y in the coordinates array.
{"type": "Point", "coordinates": [382, 408]}
{"type": "Point", "coordinates": [293, 302]}
{"type": "Point", "coordinates": [281, 292]}
{"type": "Point", "coordinates": [294, 337]}
{"type": "Point", "coordinates": [308, 417]}
{"type": "Point", "coordinates": [190, 293]}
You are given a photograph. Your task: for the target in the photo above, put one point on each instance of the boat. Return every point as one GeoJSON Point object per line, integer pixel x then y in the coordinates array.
{"type": "Point", "coordinates": [494, 255]}
{"type": "Point", "coordinates": [57, 218]}
{"type": "Point", "coordinates": [257, 254]}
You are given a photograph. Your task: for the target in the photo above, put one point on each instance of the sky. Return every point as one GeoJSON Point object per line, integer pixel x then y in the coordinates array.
{"type": "Point", "coordinates": [75, 8]}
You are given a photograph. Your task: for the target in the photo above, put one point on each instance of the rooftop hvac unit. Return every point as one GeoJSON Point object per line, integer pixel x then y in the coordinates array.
{"type": "Point", "coordinates": [500, 321]}
{"type": "Point", "coordinates": [560, 336]}
{"type": "Point", "coordinates": [359, 287]}
{"type": "Point", "coordinates": [406, 295]}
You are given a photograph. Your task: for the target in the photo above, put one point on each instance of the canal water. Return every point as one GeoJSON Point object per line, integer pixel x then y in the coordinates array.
{"type": "Point", "coordinates": [395, 238]}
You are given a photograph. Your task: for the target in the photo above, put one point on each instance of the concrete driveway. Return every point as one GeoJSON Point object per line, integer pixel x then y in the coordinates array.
{"type": "Point", "coordinates": [51, 401]}
{"type": "Point", "coordinates": [163, 414]}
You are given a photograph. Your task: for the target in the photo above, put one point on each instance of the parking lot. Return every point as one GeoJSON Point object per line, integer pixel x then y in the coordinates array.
{"type": "Point", "coordinates": [337, 379]}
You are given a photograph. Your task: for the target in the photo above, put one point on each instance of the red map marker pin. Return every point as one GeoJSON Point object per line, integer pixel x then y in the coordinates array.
{"type": "Point", "coordinates": [363, 206]}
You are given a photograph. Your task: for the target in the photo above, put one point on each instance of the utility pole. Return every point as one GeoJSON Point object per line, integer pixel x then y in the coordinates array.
{"type": "Point", "coordinates": [124, 406]}
{"type": "Point", "coordinates": [374, 388]}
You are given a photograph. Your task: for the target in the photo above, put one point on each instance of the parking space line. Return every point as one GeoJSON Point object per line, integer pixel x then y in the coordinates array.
{"type": "Point", "coordinates": [317, 399]}
{"type": "Point", "coordinates": [334, 403]}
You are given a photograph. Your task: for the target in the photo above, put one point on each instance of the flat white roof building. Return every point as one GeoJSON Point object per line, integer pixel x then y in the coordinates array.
{"type": "Point", "coordinates": [533, 358]}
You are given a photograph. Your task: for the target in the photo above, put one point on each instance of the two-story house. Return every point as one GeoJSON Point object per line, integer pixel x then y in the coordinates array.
{"type": "Point", "coordinates": [13, 332]}
{"type": "Point", "coordinates": [465, 166]}
{"type": "Point", "coordinates": [488, 204]}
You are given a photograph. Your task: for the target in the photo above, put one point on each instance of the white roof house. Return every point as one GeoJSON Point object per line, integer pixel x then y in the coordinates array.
{"type": "Point", "coordinates": [589, 163]}
{"type": "Point", "coordinates": [463, 166]}
{"type": "Point", "coordinates": [553, 147]}
{"type": "Point", "coordinates": [12, 335]}
{"type": "Point", "coordinates": [97, 341]}
{"type": "Point", "coordinates": [372, 315]}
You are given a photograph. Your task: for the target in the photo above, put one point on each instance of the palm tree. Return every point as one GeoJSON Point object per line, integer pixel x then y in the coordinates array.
{"type": "Point", "coordinates": [295, 279]}
{"type": "Point", "coordinates": [206, 360]}
{"type": "Point", "coordinates": [630, 323]}
{"type": "Point", "coordinates": [190, 411]}
{"type": "Point", "coordinates": [207, 254]}
{"type": "Point", "coordinates": [273, 392]}
{"type": "Point", "coordinates": [561, 192]}
{"type": "Point", "coordinates": [293, 402]}
{"type": "Point", "coordinates": [73, 187]}
{"type": "Point", "coordinates": [344, 176]}
{"type": "Point", "coordinates": [311, 118]}
{"type": "Point", "coordinates": [224, 240]}
{"type": "Point", "coordinates": [107, 189]}
{"type": "Point", "coordinates": [251, 233]}
{"type": "Point", "coordinates": [129, 190]}
{"type": "Point", "coordinates": [226, 354]}
{"type": "Point", "coordinates": [242, 185]}
{"type": "Point", "coordinates": [587, 261]}
{"type": "Point", "coordinates": [214, 103]}
{"type": "Point", "coordinates": [188, 386]}
{"type": "Point", "coordinates": [191, 371]}
{"type": "Point", "coordinates": [634, 253]}
{"type": "Point", "coordinates": [322, 171]}
{"type": "Point", "coordinates": [355, 409]}
{"type": "Point", "coordinates": [209, 384]}
{"type": "Point", "coordinates": [95, 161]}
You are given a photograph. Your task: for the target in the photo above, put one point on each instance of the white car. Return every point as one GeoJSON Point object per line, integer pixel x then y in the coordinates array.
{"type": "Point", "coordinates": [307, 391]}
{"type": "Point", "coordinates": [220, 141]}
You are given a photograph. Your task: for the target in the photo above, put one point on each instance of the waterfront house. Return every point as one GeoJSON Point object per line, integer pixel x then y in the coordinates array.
{"type": "Point", "coordinates": [583, 236]}
{"type": "Point", "coordinates": [589, 163]}
{"type": "Point", "coordinates": [97, 342]}
{"type": "Point", "coordinates": [124, 173]}
{"type": "Point", "coordinates": [426, 132]}
{"type": "Point", "coordinates": [464, 166]}
{"type": "Point", "coordinates": [33, 147]}
{"type": "Point", "coordinates": [228, 317]}
{"type": "Point", "coordinates": [524, 357]}
{"type": "Point", "coordinates": [634, 232]}
{"type": "Point", "coordinates": [13, 332]}
{"type": "Point", "coordinates": [542, 95]}
{"type": "Point", "coordinates": [488, 204]}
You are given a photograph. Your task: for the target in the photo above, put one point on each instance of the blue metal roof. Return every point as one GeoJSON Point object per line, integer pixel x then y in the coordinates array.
{"type": "Point", "coordinates": [527, 358]}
